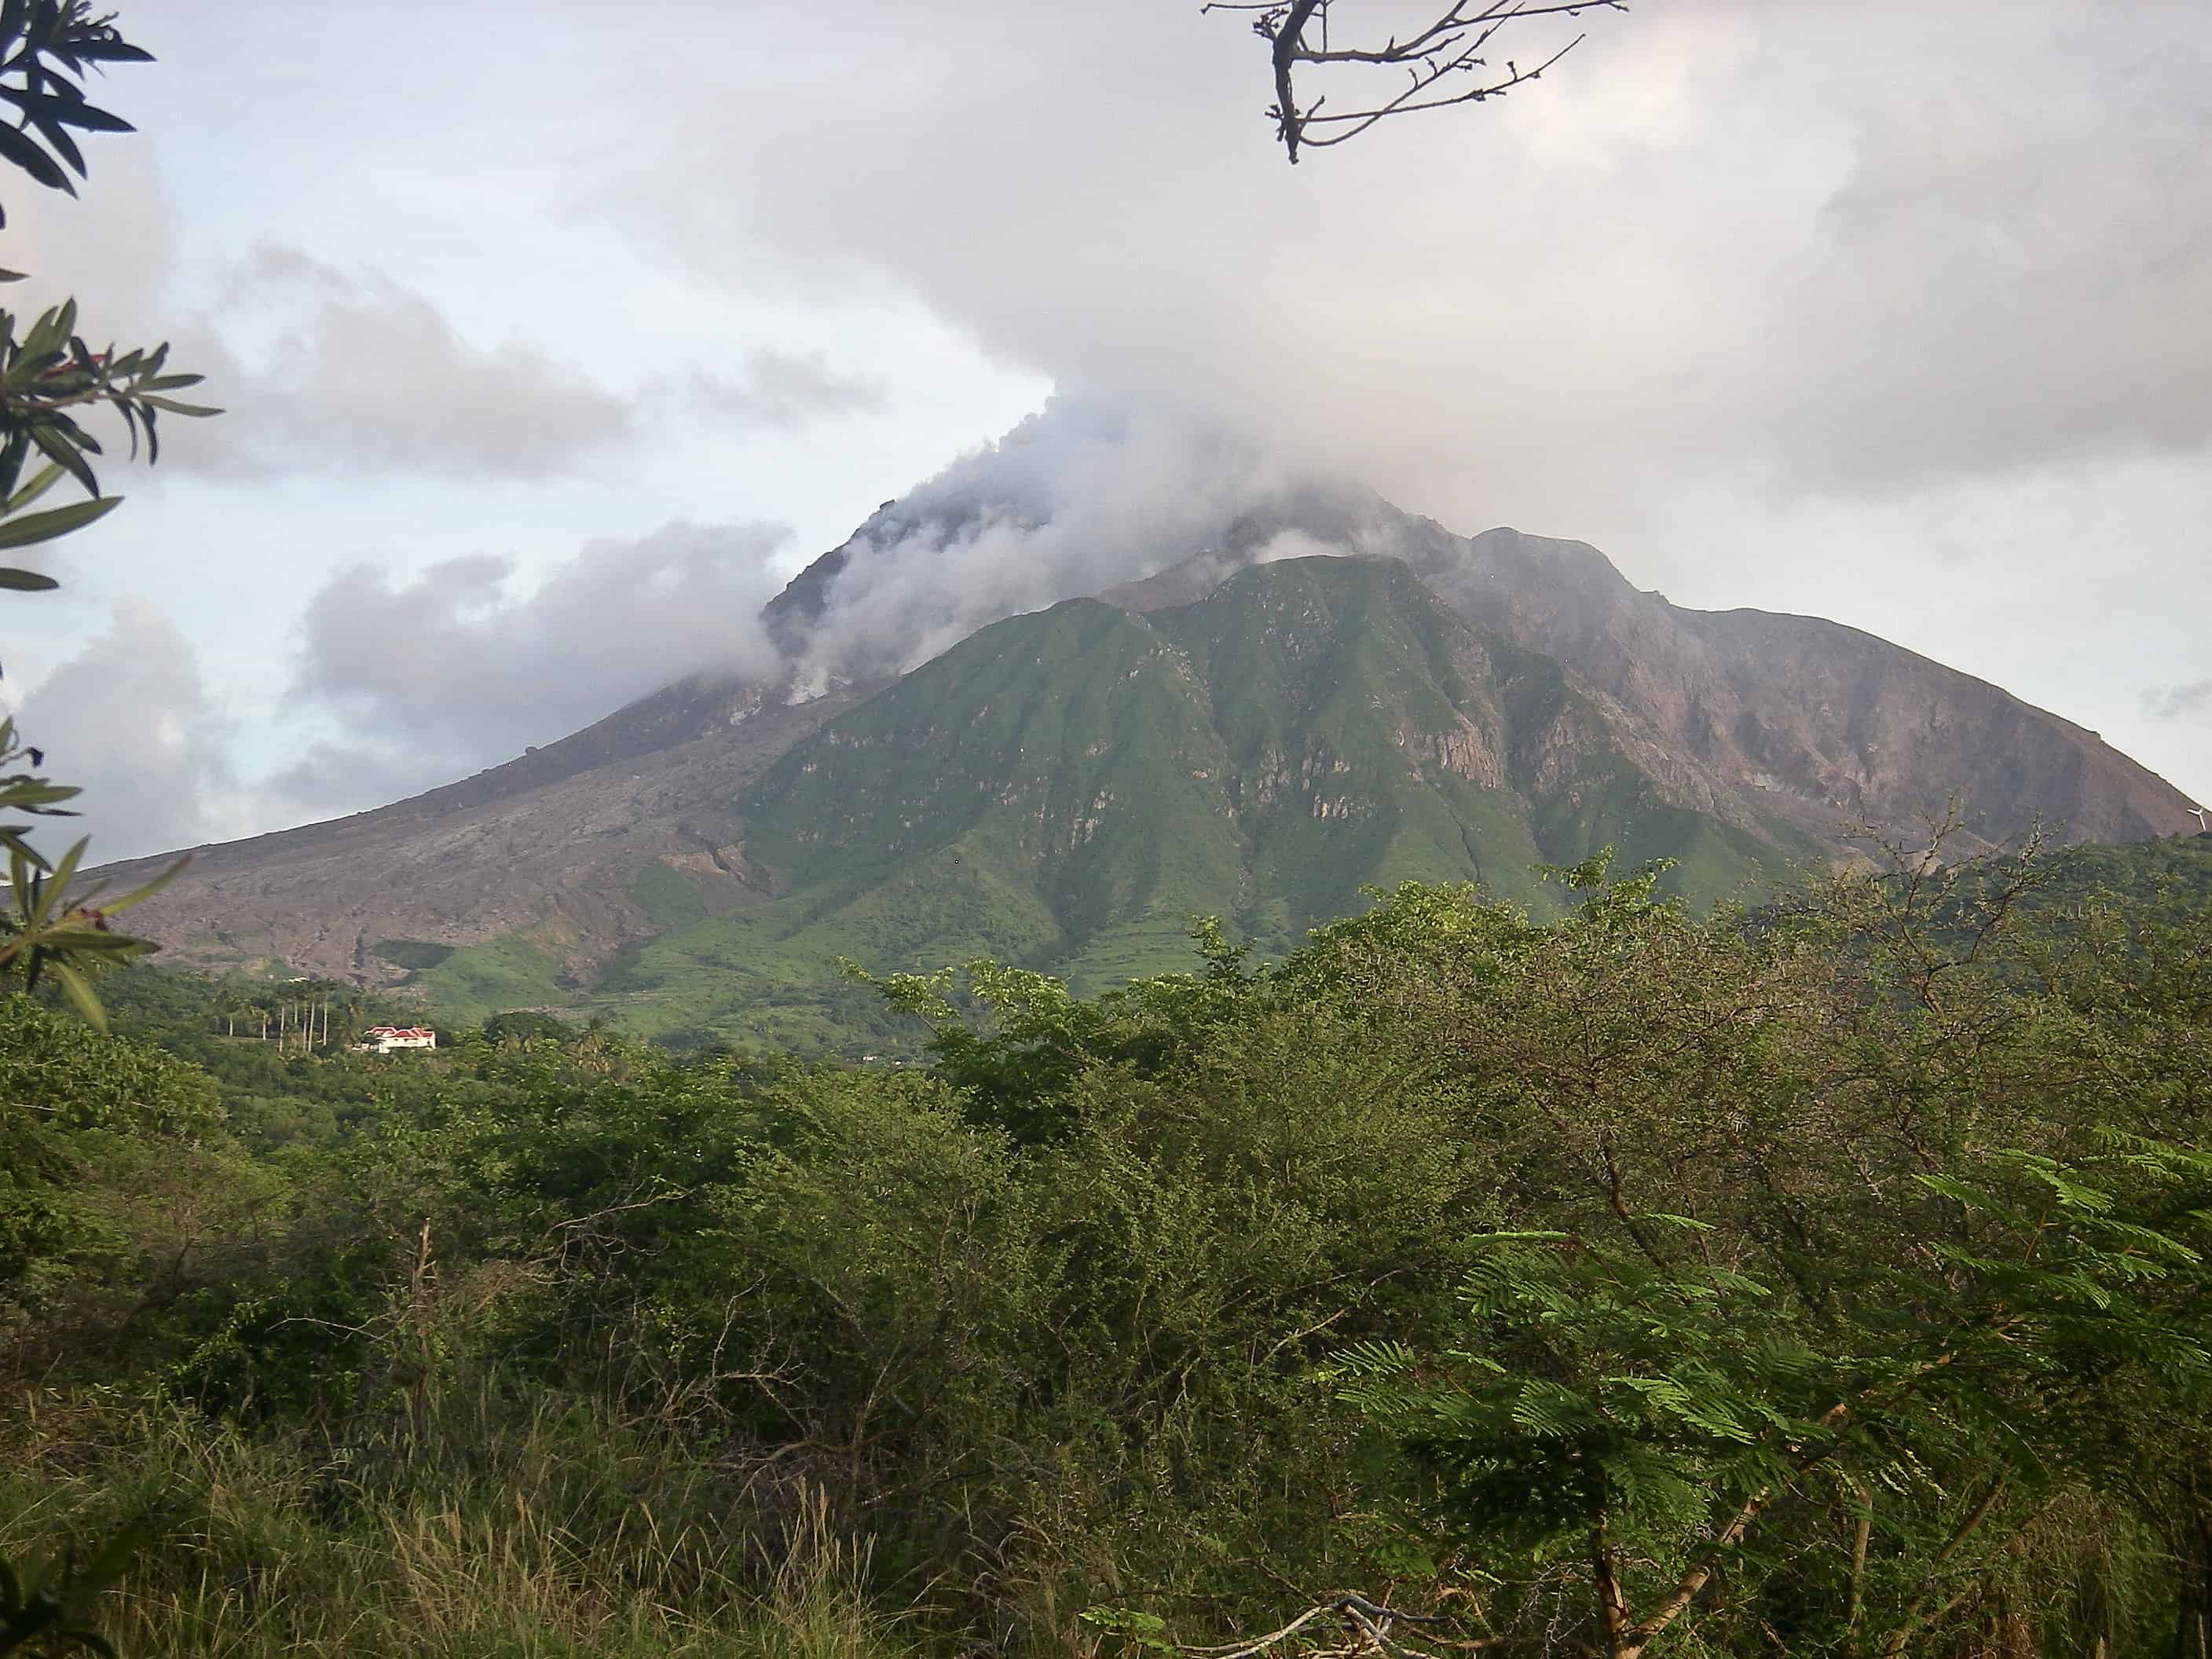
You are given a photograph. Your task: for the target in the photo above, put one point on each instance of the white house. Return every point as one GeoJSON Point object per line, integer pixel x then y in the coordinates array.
{"type": "Point", "coordinates": [383, 1039]}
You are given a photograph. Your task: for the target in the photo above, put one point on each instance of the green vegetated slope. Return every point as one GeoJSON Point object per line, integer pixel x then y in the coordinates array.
{"type": "Point", "coordinates": [532, 967]}
{"type": "Point", "coordinates": [1066, 790]}
{"type": "Point", "coordinates": [523, 970]}
{"type": "Point", "coordinates": [2174, 872]}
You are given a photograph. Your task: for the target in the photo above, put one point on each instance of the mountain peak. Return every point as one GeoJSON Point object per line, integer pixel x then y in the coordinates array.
{"type": "Point", "coordinates": [1281, 690]}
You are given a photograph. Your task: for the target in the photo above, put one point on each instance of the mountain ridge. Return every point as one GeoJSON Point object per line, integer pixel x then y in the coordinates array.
{"type": "Point", "coordinates": [551, 878]}
{"type": "Point", "coordinates": [1068, 789]}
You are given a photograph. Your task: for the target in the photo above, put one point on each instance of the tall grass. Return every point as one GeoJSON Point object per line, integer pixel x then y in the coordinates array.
{"type": "Point", "coordinates": [562, 1532]}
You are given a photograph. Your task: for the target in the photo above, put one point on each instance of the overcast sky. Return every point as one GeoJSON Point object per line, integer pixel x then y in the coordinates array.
{"type": "Point", "coordinates": [556, 336]}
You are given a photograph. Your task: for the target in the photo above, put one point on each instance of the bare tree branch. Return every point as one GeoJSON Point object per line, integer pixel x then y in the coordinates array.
{"type": "Point", "coordinates": [1368, 1627]}
{"type": "Point", "coordinates": [1443, 57]}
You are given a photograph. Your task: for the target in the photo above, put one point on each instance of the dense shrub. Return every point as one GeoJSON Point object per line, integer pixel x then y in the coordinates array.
{"type": "Point", "coordinates": [1832, 1276]}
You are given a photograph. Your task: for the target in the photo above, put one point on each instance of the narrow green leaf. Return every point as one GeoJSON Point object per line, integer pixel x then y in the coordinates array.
{"type": "Point", "coordinates": [52, 130]}
{"type": "Point", "coordinates": [141, 895]}
{"type": "Point", "coordinates": [113, 51]}
{"type": "Point", "coordinates": [47, 334]}
{"type": "Point", "coordinates": [55, 522]}
{"type": "Point", "coordinates": [31, 794]}
{"type": "Point", "coordinates": [172, 406]}
{"type": "Point", "coordinates": [80, 993]}
{"type": "Point", "coordinates": [51, 440]}
{"type": "Point", "coordinates": [24, 152]}
{"type": "Point", "coordinates": [68, 108]}
{"type": "Point", "coordinates": [58, 884]}
{"type": "Point", "coordinates": [25, 581]}
{"type": "Point", "coordinates": [13, 453]}
{"type": "Point", "coordinates": [63, 422]}
{"type": "Point", "coordinates": [48, 476]}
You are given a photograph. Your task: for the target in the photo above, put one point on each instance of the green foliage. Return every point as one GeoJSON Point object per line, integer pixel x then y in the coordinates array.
{"type": "Point", "coordinates": [518, 970]}
{"type": "Point", "coordinates": [50, 926]}
{"type": "Point", "coordinates": [412, 954]}
{"type": "Point", "coordinates": [47, 45]}
{"type": "Point", "coordinates": [555, 1529]}
{"type": "Point", "coordinates": [1063, 792]}
{"type": "Point", "coordinates": [44, 375]}
{"type": "Point", "coordinates": [110, 1151]}
{"type": "Point", "coordinates": [1664, 1412]}
{"type": "Point", "coordinates": [56, 1072]}
{"type": "Point", "coordinates": [1830, 1275]}
{"type": "Point", "coordinates": [41, 1611]}
{"type": "Point", "coordinates": [524, 1026]}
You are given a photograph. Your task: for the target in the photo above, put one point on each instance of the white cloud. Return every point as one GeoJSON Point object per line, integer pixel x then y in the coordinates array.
{"type": "Point", "coordinates": [785, 389]}
{"type": "Point", "coordinates": [1075, 499]}
{"type": "Point", "coordinates": [357, 370]}
{"type": "Point", "coordinates": [1970, 240]}
{"type": "Point", "coordinates": [128, 720]}
{"type": "Point", "coordinates": [2170, 703]}
{"type": "Point", "coordinates": [454, 669]}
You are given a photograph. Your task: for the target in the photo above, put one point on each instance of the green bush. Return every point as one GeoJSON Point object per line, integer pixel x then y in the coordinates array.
{"type": "Point", "coordinates": [1840, 1262]}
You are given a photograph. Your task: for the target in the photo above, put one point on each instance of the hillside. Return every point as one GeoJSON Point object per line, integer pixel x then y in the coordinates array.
{"type": "Point", "coordinates": [1825, 725]}
{"type": "Point", "coordinates": [2171, 876]}
{"type": "Point", "coordinates": [1066, 790]}
{"type": "Point", "coordinates": [1256, 745]}
{"type": "Point", "coordinates": [551, 862]}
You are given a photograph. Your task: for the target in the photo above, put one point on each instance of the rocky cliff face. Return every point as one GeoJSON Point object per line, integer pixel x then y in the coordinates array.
{"type": "Point", "coordinates": [1825, 725]}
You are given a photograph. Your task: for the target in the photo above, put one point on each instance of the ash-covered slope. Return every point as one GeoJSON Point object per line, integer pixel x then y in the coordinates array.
{"type": "Point", "coordinates": [1830, 724]}
{"type": "Point", "coordinates": [555, 859]}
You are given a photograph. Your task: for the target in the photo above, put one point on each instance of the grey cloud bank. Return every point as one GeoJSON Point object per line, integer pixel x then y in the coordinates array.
{"type": "Point", "coordinates": [129, 722]}
{"type": "Point", "coordinates": [784, 389]}
{"type": "Point", "coordinates": [2173, 702]}
{"type": "Point", "coordinates": [1968, 239]}
{"type": "Point", "coordinates": [451, 666]}
{"type": "Point", "coordinates": [361, 371]}
{"type": "Point", "coordinates": [1902, 319]}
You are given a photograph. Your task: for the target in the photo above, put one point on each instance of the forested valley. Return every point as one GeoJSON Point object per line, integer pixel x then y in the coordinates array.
{"type": "Point", "coordinates": [1824, 1276]}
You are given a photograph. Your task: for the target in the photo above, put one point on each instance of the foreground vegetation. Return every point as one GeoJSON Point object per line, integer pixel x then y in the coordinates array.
{"type": "Point", "coordinates": [1826, 1280]}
